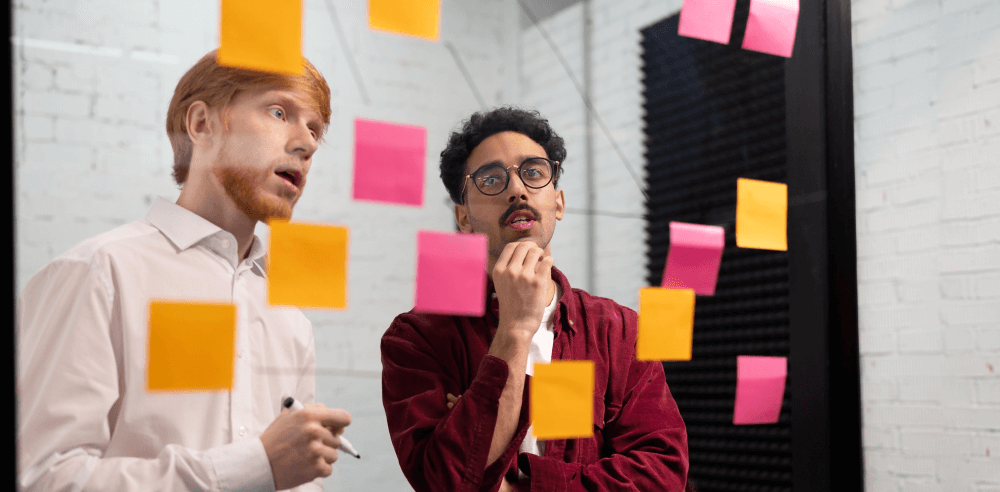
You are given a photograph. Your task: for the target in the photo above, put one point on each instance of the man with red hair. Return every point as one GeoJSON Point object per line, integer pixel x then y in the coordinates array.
{"type": "Point", "coordinates": [243, 143]}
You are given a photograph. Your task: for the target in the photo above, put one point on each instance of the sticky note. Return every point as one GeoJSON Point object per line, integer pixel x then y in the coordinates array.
{"type": "Point", "coordinates": [451, 273]}
{"type": "Point", "coordinates": [264, 35]}
{"type": "Point", "coordinates": [561, 399]}
{"type": "Point", "coordinates": [761, 214]}
{"type": "Point", "coordinates": [694, 257]}
{"type": "Point", "coordinates": [307, 265]}
{"type": "Point", "coordinates": [666, 324]}
{"type": "Point", "coordinates": [421, 18]}
{"type": "Point", "coordinates": [760, 386]}
{"type": "Point", "coordinates": [389, 162]}
{"type": "Point", "coordinates": [771, 26]}
{"type": "Point", "coordinates": [191, 346]}
{"type": "Point", "coordinates": [711, 20]}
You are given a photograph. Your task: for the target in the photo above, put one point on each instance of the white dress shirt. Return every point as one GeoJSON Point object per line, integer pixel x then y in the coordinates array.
{"type": "Point", "coordinates": [86, 420]}
{"type": "Point", "coordinates": [540, 350]}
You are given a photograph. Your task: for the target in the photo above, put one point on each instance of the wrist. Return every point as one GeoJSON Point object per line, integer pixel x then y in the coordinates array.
{"type": "Point", "coordinates": [519, 332]}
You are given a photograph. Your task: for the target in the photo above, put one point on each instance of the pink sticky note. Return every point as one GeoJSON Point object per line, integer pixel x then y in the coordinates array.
{"type": "Point", "coordinates": [760, 386]}
{"type": "Point", "coordinates": [451, 273]}
{"type": "Point", "coordinates": [389, 162]}
{"type": "Point", "coordinates": [694, 257]}
{"type": "Point", "coordinates": [771, 26]}
{"type": "Point", "coordinates": [711, 20]}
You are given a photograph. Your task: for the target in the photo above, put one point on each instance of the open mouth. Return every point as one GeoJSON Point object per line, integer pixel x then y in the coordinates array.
{"type": "Point", "coordinates": [521, 220]}
{"type": "Point", "coordinates": [292, 176]}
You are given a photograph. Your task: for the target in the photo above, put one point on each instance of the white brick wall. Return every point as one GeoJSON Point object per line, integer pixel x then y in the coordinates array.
{"type": "Point", "coordinates": [927, 94]}
{"type": "Point", "coordinates": [93, 81]}
{"type": "Point", "coordinates": [617, 97]}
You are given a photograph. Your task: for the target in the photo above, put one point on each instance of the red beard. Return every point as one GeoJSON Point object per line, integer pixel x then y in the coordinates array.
{"type": "Point", "coordinates": [244, 185]}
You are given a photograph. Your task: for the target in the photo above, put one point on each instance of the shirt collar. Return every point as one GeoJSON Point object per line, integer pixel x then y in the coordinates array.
{"type": "Point", "coordinates": [185, 229]}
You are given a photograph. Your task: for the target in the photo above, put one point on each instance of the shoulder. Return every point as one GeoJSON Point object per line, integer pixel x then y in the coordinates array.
{"type": "Point", "coordinates": [111, 243]}
{"type": "Point", "coordinates": [96, 256]}
{"type": "Point", "coordinates": [603, 307]}
{"type": "Point", "coordinates": [415, 326]}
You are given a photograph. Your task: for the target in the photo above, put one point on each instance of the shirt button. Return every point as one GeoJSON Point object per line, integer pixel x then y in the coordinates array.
{"type": "Point", "coordinates": [225, 243]}
{"type": "Point", "coordinates": [243, 431]}
{"type": "Point", "coordinates": [239, 353]}
{"type": "Point", "coordinates": [493, 295]}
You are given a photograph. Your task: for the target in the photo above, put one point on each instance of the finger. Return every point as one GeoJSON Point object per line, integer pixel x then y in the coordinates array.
{"type": "Point", "coordinates": [323, 468]}
{"type": "Point", "coordinates": [450, 404]}
{"type": "Point", "coordinates": [504, 257]}
{"type": "Point", "coordinates": [330, 455]}
{"type": "Point", "coordinates": [544, 266]}
{"type": "Point", "coordinates": [531, 258]}
{"type": "Point", "coordinates": [451, 397]}
{"type": "Point", "coordinates": [335, 417]}
{"type": "Point", "coordinates": [516, 263]}
{"type": "Point", "coordinates": [327, 437]}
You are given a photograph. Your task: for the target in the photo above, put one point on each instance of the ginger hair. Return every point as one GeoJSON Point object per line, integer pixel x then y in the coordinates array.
{"type": "Point", "coordinates": [217, 86]}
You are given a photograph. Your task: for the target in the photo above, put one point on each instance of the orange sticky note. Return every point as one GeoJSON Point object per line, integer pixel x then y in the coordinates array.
{"type": "Point", "coordinates": [307, 265]}
{"type": "Point", "coordinates": [264, 35]}
{"type": "Point", "coordinates": [666, 324]}
{"type": "Point", "coordinates": [562, 399]}
{"type": "Point", "coordinates": [421, 18]}
{"type": "Point", "coordinates": [761, 214]}
{"type": "Point", "coordinates": [191, 346]}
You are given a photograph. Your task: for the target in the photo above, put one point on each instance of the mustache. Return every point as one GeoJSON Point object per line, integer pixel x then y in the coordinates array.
{"type": "Point", "coordinates": [514, 208]}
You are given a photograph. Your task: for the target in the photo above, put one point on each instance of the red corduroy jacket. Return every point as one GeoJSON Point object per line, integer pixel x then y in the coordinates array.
{"type": "Point", "coordinates": [639, 441]}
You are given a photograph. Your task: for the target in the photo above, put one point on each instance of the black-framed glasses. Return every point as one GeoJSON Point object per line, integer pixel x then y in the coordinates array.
{"type": "Point", "coordinates": [535, 173]}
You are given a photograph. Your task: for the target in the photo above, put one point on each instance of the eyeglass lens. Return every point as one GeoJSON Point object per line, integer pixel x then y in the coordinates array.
{"type": "Point", "coordinates": [491, 180]}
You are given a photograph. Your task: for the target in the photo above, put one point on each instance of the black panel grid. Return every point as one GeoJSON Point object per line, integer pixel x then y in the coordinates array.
{"type": "Point", "coordinates": [713, 114]}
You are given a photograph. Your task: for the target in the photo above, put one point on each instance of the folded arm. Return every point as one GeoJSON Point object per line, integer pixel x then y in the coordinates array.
{"type": "Point", "coordinates": [441, 448]}
{"type": "Point", "coordinates": [647, 439]}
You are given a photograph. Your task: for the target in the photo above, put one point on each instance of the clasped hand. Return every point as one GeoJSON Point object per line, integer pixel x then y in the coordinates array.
{"type": "Point", "coordinates": [522, 277]}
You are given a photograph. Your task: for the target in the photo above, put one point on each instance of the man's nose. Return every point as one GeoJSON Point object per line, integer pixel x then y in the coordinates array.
{"type": "Point", "coordinates": [516, 189]}
{"type": "Point", "coordinates": [303, 143]}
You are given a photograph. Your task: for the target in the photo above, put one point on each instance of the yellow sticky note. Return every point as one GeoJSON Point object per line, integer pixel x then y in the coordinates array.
{"type": "Point", "coordinates": [761, 214]}
{"type": "Point", "coordinates": [562, 399]}
{"type": "Point", "coordinates": [307, 265]}
{"type": "Point", "coordinates": [191, 346]}
{"type": "Point", "coordinates": [666, 324]}
{"type": "Point", "coordinates": [421, 18]}
{"type": "Point", "coordinates": [264, 35]}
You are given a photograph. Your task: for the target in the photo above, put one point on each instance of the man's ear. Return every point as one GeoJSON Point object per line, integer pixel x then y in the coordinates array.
{"type": "Point", "coordinates": [560, 204]}
{"type": "Point", "coordinates": [462, 218]}
{"type": "Point", "coordinates": [201, 122]}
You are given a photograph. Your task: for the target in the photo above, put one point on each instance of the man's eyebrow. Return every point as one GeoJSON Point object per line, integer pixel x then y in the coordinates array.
{"type": "Point", "coordinates": [520, 160]}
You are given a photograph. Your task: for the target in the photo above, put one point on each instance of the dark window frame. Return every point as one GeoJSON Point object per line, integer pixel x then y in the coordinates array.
{"type": "Point", "coordinates": [826, 432]}
{"type": "Point", "coordinates": [827, 453]}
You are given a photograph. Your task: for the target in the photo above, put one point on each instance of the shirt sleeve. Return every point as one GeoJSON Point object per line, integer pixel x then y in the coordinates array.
{"type": "Point", "coordinates": [647, 440]}
{"type": "Point", "coordinates": [69, 379]}
{"type": "Point", "coordinates": [442, 449]}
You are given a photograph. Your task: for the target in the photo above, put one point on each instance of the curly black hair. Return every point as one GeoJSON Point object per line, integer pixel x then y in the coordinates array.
{"type": "Point", "coordinates": [482, 125]}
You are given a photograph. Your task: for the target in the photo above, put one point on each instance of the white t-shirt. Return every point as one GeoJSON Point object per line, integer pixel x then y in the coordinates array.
{"type": "Point", "coordinates": [540, 351]}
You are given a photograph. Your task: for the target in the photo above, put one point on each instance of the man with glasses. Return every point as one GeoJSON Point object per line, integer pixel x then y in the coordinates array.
{"type": "Point", "coordinates": [454, 388]}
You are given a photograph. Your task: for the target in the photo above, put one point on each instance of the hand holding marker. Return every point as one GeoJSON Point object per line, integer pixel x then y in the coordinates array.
{"type": "Point", "coordinates": [345, 445]}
